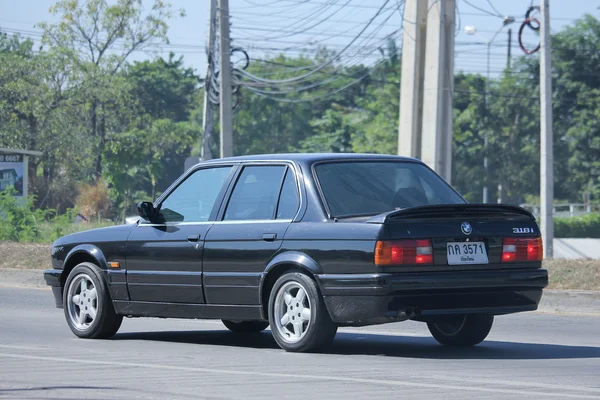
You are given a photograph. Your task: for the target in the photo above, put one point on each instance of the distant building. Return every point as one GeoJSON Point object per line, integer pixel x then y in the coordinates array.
{"type": "Point", "coordinates": [8, 177]}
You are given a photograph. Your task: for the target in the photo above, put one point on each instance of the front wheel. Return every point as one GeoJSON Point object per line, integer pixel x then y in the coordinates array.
{"type": "Point", "coordinates": [87, 304]}
{"type": "Point", "coordinates": [461, 330]}
{"type": "Point", "coordinates": [297, 314]}
{"type": "Point", "coordinates": [245, 326]}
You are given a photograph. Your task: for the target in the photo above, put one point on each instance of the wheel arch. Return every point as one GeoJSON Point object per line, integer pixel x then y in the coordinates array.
{"type": "Point", "coordinates": [279, 265]}
{"type": "Point", "coordinates": [79, 254]}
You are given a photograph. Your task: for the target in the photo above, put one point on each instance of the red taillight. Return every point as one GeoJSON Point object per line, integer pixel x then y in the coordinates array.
{"type": "Point", "coordinates": [400, 252]}
{"type": "Point", "coordinates": [522, 249]}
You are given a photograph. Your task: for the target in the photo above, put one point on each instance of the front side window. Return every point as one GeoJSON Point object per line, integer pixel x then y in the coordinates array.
{"type": "Point", "coordinates": [255, 194]}
{"type": "Point", "coordinates": [374, 187]}
{"type": "Point", "coordinates": [193, 200]}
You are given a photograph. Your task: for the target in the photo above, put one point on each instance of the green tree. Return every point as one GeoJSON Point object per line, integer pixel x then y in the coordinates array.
{"type": "Point", "coordinates": [333, 134]}
{"type": "Point", "coordinates": [100, 37]}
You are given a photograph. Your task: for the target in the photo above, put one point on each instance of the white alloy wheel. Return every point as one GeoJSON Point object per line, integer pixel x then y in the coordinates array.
{"type": "Point", "coordinates": [88, 305]}
{"type": "Point", "coordinates": [297, 314]}
{"type": "Point", "coordinates": [292, 312]}
{"type": "Point", "coordinates": [83, 302]}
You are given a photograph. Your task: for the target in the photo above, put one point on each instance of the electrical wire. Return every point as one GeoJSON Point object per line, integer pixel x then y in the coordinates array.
{"type": "Point", "coordinates": [483, 9]}
{"type": "Point", "coordinates": [494, 8]}
{"type": "Point", "coordinates": [363, 6]}
{"type": "Point", "coordinates": [312, 85]}
{"type": "Point", "coordinates": [336, 74]}
{"type": "Point", "coordinates": [323, 65]}
{"type": "Point", "coordinates": [312, 98]}
{"type": "Point", "coordinates": [289, 28]}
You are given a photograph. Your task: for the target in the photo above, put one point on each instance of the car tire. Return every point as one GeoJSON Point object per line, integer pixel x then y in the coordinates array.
{"type": "Point", "coordinates": [461, 330]}
{"type": "Point", "coordinates": [87, 304]}
{"type": "Point", "coordinates": [298, 317]}
{"type": "Point", "coordinates": [245, 326]}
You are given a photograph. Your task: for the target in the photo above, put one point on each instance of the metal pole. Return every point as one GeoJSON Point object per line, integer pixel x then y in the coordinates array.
{"type": "Point", "coordinates": [487, 120]}
{"type": "Point", "coordinates": [225, 83]}
{"type": "Point", "coordinates": [25, 176]}
{"type": "Point", "coordinates": [509, 48]}
{"type": "Point", "coordinates": [546, 154]}
{"type": "Point", "coordinates": [207, 120]}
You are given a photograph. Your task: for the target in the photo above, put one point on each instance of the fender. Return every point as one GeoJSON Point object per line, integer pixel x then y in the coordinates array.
{"type": "Point", "coordinates": [115, 279]}
{"type": "Point", "coordinates": [295, 258]}
{"type": "Point", "coordinates": [91, 250]}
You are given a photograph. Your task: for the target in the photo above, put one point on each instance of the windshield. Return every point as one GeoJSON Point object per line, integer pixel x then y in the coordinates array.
{"type": "Point", "coordinates": [373, 187]}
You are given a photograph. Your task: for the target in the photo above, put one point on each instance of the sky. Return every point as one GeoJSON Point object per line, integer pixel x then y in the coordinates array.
{"type": "Point", "coordinates": [266, 28]}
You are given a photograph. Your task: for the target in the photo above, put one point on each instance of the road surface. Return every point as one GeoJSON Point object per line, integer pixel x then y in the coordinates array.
{"type": "Point", "coordinates": [527, 356]}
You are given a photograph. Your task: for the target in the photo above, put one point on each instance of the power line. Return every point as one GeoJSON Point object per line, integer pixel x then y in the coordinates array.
{"type": "Point", "coordinates": [483, 10]}
{"type": "Point", "coordinates": [321, 3]}
{"type": "Point", "coordinates": [494, 8]}
{"type": "Point", "coordinates": [323, 65]}
{"type": "Point", "coordinates": [317, 97]}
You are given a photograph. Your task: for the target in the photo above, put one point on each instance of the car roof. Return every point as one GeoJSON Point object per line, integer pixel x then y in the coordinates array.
{"type": "Point", "coordinates": [310, 158]}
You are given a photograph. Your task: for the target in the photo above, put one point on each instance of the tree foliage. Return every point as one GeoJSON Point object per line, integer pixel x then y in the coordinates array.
{"type": "Point", "coordinates": [109, 126]}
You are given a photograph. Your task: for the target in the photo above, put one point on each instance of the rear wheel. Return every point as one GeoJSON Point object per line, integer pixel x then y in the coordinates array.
{"type": "Point", "coordinates": [297, 314]}
{"type": "Point", "coordinates": [461, 330]}
{"type": "Point", "coordinates": [87, 304]}
{"type": "Point", "coordinates": [245, 326]}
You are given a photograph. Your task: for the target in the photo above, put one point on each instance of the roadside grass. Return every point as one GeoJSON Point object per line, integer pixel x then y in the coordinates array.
{"type": "Point", "coordinates": [24, 255]}
{"type": "Point", "coordinates": [564, 274]}
{"type": "Point", "coordinates": [578, 274]}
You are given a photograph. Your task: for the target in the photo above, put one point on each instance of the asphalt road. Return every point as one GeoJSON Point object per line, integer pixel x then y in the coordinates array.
{"type": "Point", "coordinates": [529, 355]}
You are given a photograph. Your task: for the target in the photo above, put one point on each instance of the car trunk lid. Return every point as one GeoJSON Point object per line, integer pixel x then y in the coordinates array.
{"type": "Point", "coordinates": [463, 236]}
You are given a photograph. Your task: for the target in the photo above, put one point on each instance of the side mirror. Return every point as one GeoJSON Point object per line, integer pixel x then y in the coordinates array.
{"type": "Point", "coordinates": [146, 210]}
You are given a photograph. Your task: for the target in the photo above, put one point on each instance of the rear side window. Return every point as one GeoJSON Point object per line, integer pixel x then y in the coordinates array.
{"type": "Point", "coordinates": [255, 194]}
{"type": "Point", "coordinates": [373, 187]}
{"type": "Point", "coordinates": [289, 201]}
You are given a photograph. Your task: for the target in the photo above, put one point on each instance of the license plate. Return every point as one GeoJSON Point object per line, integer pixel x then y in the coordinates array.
{"type": "Point", "coordinates": [466, 253]}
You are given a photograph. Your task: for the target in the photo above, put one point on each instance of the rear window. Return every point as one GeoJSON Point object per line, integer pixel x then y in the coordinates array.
{"type": "Point", "coordinates": [373, 187]}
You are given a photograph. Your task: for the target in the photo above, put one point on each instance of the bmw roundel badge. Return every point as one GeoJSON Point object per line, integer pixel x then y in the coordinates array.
{"type": "Point", "coordinates": [465, 227]}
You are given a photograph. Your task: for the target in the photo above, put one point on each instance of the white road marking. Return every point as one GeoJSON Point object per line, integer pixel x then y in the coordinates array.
{"type": "Point", "coordinates": [491, 381]}
{"type": "Point", "coordinates": [383, 333]}
{"type": "Point", "coordinates": [302, 376]}
{"type": "Point", "coordinates": [17, 347]}
{"type": "Point", "coordinates": [24, 286]}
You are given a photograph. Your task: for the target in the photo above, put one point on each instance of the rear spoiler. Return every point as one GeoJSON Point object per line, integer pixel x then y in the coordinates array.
{"type": "Point", "coordinates": [454, 211]}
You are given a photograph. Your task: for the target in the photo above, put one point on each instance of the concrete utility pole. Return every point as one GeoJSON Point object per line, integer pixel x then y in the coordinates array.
{"type": "Point", "coordinates": [413, 68]}
{"type": "Point", "coordinates": [546, 151]}
{"type": "Point", "coordinates": [207, 120]}
{"type": "Point", "coordinates": [225, 82]}
{"type": "Point", "coordinates": [436, 137]}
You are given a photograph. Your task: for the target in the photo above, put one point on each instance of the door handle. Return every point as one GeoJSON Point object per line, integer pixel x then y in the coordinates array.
{"type": "Point", "coordinates": [193, 238]}
{"type": "Point", "coordinates": [269, 237]}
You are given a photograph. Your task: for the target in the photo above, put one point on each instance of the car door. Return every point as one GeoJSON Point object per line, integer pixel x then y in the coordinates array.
{"type": "Point", "coordinates": [164, 258]}
{"type": "Point", "coordinates": [249, 232]}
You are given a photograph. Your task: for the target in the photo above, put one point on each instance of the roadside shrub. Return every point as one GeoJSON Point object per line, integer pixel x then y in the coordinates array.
{"type": "Point", "coordinates": [20, 221]}
{"type": "Point", "coordinates": [93, 201]}
{"type": "Point", "coordinates": [586, 226]}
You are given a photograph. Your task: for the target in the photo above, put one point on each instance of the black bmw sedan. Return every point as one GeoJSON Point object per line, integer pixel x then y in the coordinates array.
{"type": "Point", "coordinates": [305, 243]}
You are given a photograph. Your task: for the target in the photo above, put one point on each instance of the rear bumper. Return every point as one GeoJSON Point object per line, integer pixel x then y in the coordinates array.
{"type": "Point", "coordinates": [53, 277]}
{"type": "Point", "coordinates": [363, 299]}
